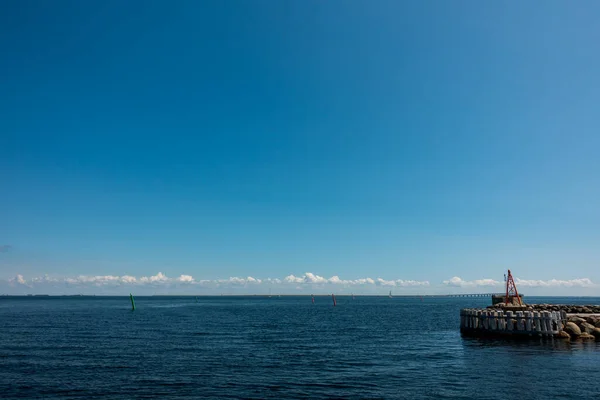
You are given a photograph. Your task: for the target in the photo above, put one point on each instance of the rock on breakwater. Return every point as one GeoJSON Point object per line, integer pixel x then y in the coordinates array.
{"type": "Point", "coordinates": [583, 328]}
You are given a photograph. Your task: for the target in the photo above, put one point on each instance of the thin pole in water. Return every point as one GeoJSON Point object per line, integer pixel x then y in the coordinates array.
{"type": "Point", "coordinates": [333, 297]}
{"type": "Point", "coordinates": [132, 302]}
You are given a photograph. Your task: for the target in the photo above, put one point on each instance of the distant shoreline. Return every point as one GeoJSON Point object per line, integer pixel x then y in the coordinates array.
{"type": "Point", "coordinates": [457, 295]}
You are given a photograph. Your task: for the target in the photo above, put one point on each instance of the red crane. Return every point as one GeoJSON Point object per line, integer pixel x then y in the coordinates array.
{"type": "Point", "coordinates": [511, 290]}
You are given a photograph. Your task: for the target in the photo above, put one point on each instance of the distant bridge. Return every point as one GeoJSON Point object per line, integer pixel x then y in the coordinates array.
{"type": "Point", "coordinates": [475, 295]}
{"type": "Point", "coordinates": [453, 295]}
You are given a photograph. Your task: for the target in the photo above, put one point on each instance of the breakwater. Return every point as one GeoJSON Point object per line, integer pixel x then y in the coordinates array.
{"type": "Point", "coordinates": [486, 322]}
{"type": "Point", "coordinates": [535, 320]}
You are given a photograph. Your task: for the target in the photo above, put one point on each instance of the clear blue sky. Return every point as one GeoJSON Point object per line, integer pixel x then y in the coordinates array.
{"type": "Point", "coordinates": [403, 140]}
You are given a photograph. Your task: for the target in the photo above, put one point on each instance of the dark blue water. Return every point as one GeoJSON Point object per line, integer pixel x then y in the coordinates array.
{"type": "Point", "coordinates": [257, 348]}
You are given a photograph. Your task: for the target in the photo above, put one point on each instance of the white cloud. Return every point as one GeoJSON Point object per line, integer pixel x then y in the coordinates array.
{"type": "Point", "coordinates": [234, 280]}
{"type": "Point", "coordinates": [459, 282]}
{"type": "Point", "coordinates": [158, 278]}
{"type": "Point", "coordinates": [19, 280]}
{"type": "Point", "coordinates": [582, 282]}
{"type": "Point", "coordinates": [94, 280]}
{"type": "Point", "coordinates": [308, 282]}
{"type": "Point", "coordinates": [98, 280]}
{"type": "Point", "coordinates": [400, 283]}
{"type": "Point", "coordinates": [308, 279]}
{"type": "Point", "coordinates": [186, 278]}
{"type": "Point", "coordinates": [129, 279]}
{"type": "Point", "coordinates": [312, 278]}
{"type": "Point", "coordinates": [363, 281]}
{"type": "Point", "coordinates": [43, 279]}
{"type": "Point", "coordinates": [293, 279]}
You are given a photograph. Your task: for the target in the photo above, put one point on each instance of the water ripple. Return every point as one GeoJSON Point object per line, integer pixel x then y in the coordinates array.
{"type": "Point", "coordinates": [259, 348]}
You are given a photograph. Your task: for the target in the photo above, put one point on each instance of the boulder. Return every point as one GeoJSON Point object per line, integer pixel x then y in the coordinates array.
{"type": "Point", "coordinates": [577, 320]}
{"type": "Point", "coordinates": [563, 335]}
{"type": "Point", "coordinates": [596, 333]}
{"type": "Point", "coordinates": [586, 336]}
{"type": "Point", "coordinates": [587, 327]}
{"type": "Point", "coordinates": [572, 329]}
{"type": "Point", "coordinates": [597, 324]}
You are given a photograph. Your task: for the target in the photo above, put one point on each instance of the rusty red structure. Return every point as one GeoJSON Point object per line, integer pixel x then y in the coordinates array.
{"type": "Point", "coordinates": [511, 291]}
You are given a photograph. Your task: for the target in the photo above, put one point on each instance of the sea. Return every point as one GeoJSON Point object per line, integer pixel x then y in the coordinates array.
{"type": "Point", "coordinates": [260, 347]}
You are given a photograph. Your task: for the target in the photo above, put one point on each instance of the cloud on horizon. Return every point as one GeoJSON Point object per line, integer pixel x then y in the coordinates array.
{"type": "Point", "coordinates": [310, 278]}
{"type": "Point", "coordinates": [307, 280]}
{"type": "Point", "coordinates": [306, 283]}
{"type": "Point", "coordinates": [552, 283]}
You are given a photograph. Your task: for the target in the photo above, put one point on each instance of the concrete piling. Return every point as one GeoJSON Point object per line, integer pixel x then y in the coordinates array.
{"type": "Point", "coordinates": [498, 322]}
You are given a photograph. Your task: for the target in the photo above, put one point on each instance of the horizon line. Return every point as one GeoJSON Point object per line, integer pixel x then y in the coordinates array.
{"type": "Point", "coordinates": [285, 295]}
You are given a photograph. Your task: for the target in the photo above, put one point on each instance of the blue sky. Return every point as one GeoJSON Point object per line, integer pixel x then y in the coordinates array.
{"type": "Point", "coordinates": [406, 141]}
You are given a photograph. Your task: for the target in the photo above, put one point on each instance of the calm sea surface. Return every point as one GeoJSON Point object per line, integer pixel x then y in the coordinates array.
{"type": "Point", "coordinates": [258, 347]}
